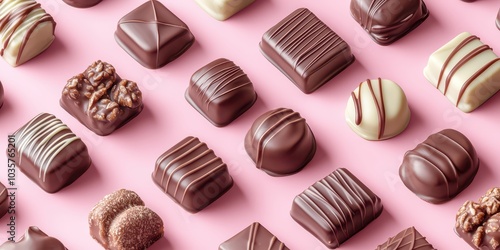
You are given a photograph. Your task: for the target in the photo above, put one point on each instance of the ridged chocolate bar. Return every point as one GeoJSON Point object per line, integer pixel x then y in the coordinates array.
{"type": "Point", "coordinates": [408, 239]}
{"type": "Point", "coordinates": [34, 239]}
{"type": "Point", "coordinates": [254, 237]}
{"type": "Point", "coordinates": [191, 174]}
{"type": "Point", "coordinates": [336, 207]}
{"type": "Point", "coordinates": [221, 92]}
{"type": "Point", "coordinates": [49, 153]}
{"type": "Point", "coordinates": [307, 51]}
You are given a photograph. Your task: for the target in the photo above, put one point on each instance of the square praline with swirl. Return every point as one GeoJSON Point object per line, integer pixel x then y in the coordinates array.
{"type": "Point", "coordinates": [153, 35]}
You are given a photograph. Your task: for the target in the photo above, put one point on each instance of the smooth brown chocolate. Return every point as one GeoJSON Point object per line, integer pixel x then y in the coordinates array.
{"type": "Point", "coordinates": [121, 221]}
{"type": "Point", "coordinates": [100, 99]}
{"type": "Point", "coordinates": [408, 239]}
{"type": "Point", "coordinates": [221, 92]}
{"type": "Point", "coordinates": [82, 3]}
{"type": "Point", "coordinates": [34, 239]}
{"type": "Point", "coordinates": [478, 222]}
{"type": "Point", "coordinates": [4, 200]}
{"type": "Point", "coordinates": [153, 35]}
{"type": "Point", "coordinates": [336, 207]}
{"type": "Point", "coordinates": [388, 20]}
{"type": "Point", "coordinates": [49, 153]}
{"type": "Point", "coordinates": [439, 168]}
{"type": "Point", "coordinates": [191, 174]}
{"type": "Point", "coordinates": [307, 51]}
{"type": "Point", "coordinates": [254, 237]}
{"type": "Point", "coordinates": [280, 142]}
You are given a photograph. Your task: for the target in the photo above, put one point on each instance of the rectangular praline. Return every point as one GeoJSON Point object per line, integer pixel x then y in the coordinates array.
{"type": "Point", "coordinates": [192, 175]}
{"type": "Point", "coordinates": [336, 207]}
{"type": "Point", "coordinates": [49, 153]}
{"type": "Point", "coordinates": [255, 237]}
{"type": "Point", "coordinates": [307, 51]}
{"type": "Point", "coordinates": [408, 239]}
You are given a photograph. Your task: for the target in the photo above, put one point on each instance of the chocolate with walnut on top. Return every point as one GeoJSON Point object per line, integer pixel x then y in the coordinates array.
{"type": "Point", "coordinates": [100, 99]}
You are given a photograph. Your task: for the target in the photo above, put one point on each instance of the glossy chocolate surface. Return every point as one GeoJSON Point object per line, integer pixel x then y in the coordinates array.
{"type": "Point", "coordinates": [82, 3]}
{"type": "Point", "coordinates": [221, 92]}
{"type": "Point", "coordinates": [440, 167]}
{"type": "Point", "coordinates": [121, 221]}
{"type": "Point", "coordinates": [388, 20]}
{"type": "Point", "coordinates": [307, 51]}
{"type": "Point", "coordinates": [100, 99]}
{"type": "Point", "coordinates": [191, 174]}
{"type": "Point", "coordinates": [34, 239]}
{"type": "Point", "coordinates": [336, 207]}
{"type": "Point", "coordinates": [254, 237]}
{"type": "Point", "coordinates": [49, 153]}
{"type": "Point", "coordinates": [153, 35]}
{"type": "Point", "coordinates": [408, 239]}
{"type": "Point", "coordinates": [4, 201]}
{"type": "Point", "coordinates": [280, 142]}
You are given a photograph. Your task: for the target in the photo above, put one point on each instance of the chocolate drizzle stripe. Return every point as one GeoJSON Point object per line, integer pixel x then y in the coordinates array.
{"type": "Point", "coordinates": [184, 164]}
{"type": "Point", "coordinates": [380, 105]}
{"type": "Point", "coordinates": [459, 146]}
{"type": "Point", "coordinates": [166, 155]}
{"type": "Point", "coordinates": [175, 160]}
{"type": "Point", "coordinates": [397, 241]}
{"type": "Point", "coordinates": [192, 171]}
{"type": "Point", "coordinates": [202, 177]}
{"type": "Point", "coordinates": [16, 18]}
{"type": "Point", "coordinates": [375, 5]}
{"type": "Point", "coordinates": [473, 77]}
{"type": "Point", "coordinates": [441, 173]}
{"type": "Point", "coordinates": [448, 159]}
{"type": "Point", "coordinates": [155, 14]}
{"type": "Point", "coordinates": [253, 235]}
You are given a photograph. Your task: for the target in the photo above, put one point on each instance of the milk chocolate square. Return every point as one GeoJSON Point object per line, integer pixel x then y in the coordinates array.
{"type": "Point", "coordinates": [408, 239]}
{"type": "Point", "coordinates": [191, 174]}
{"type": "Point", "coordinates": [153, 35]}
{"type": "Point", "coordinates": [255, 237]}
{"type": "Point", "coordinates": [319, 208]}
{"type": "Point", "coordinates": [307, 51]}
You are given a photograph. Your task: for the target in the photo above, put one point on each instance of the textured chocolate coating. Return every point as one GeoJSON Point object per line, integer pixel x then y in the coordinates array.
{"type": "Point", "coordinates": [1, 95]}
{"type": "Point", "coordinates": [100, 99]}
{"type": "Point", "coordinates": [153, 35]}
{"type": "Point", "coordinates": [280, 142]}
{"type": "Point", "coordinates": [82, 3]}
{"type": "Point", "coordinates": [49, 153]}
{"type": "Point", "coordinates": [221, 92]}
{"type": "Point", "coordinates": [191, 174]}
{"type": "Point", "coordinates": [388, 20]}
{"type": "Point", "coordinates": [478, 223]}
{"type": "Point", "coordinates": [336, 207]}
{"type": "Point", "coordinates": [34, 239]}
{"type": "Point", "coordinates": [440, 167]}
{"type": "Point", "coordinates": [408, 239]}
{"type": "Point", "coordinates": [254, 237]}
{"type": "Point", "coordinates": [120, 221]}
{"type": "Point", "coordinates": [4, 202]}
{"type": "Point", "coordinates": [307, 51]}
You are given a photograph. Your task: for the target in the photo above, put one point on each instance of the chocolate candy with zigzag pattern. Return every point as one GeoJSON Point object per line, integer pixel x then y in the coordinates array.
{"type": "Point", "coordinates": [255, 237]}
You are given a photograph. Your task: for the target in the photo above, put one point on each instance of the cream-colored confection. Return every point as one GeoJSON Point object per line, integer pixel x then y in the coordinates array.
{"type": "Point", "coordinates": [26, 30]}
{"type": "Point", "coordinates": [377, 110]}
{"type": "Point", "coordinates": [465, 70]}
{"type": "Point", "coordinates": [223, 9]}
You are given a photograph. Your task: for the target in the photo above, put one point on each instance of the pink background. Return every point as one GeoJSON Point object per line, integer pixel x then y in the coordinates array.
{"type": "Point", "coordinates": [125, 159]}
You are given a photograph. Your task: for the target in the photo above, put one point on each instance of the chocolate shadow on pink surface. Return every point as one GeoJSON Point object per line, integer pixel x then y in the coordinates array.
{"type": "Point", "coordinates": [339, 80]}
{"type": "Point", "coordinates": [56, 50]}
{"type": "Point", "coordinates": [6, 110]}
{"type": "Point", "coordinates": [229, 201]}
{"type": "Point", "coordinates": [248, 117]}
{"type": "Point", "coordinates": [91, 177]}
{"type": "Point", "coordinates": [137, 123]}
{"type": "Point", "coordinates": [371, 233]}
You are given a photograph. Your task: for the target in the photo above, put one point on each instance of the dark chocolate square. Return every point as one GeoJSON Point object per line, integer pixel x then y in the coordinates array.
{"type": "Point", "coordinates": [49, 153]}
{"type": "Point", "coordinates": [307, 51]}
{"type": "Point", "coordinates": [192, 175]}
{"type": "Point", "coordinates": [153, 35]}
{"type": "Point", "coordinates": [336, 207]}
{"type": "Point", "coordinates": [408, 239]}
{"type": "Point", "coordinates": [221, 92]}
{"type": "Point", "coordinates": [255, 237]}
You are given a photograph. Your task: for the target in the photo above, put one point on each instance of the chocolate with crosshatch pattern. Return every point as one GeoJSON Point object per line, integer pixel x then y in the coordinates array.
{"type": "Point", "coordinates": [255, 237]}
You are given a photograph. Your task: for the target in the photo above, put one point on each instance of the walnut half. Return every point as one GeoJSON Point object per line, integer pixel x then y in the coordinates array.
{"type": "Point", "coordinates": [490, 202]}
{"type": "Point", "coordinates": [126, 93]}
{"type": "Point", "coordinates": [469, 216]}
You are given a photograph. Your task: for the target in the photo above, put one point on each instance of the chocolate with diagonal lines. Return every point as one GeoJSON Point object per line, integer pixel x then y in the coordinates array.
{"type": "Point", "coordinates": [253, 237]}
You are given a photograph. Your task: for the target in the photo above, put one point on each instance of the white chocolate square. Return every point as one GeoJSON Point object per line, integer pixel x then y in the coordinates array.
{"type": "Point", "coordinates": [465, 70]}
{"type": "Point", "coordinates": [223, 9]}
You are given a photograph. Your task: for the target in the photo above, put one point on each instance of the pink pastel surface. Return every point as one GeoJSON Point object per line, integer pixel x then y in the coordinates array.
{"type": "Point", "coordinates": [125, 159]}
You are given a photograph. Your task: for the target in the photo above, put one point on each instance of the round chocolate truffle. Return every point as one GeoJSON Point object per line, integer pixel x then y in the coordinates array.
{"type": "Point", "coordinates": [82, 3]}
{"type": "Point", "coordinates": [280, 142]}
{"type": "Point", "coordinates": [377, 110]}
{"type": "Point", "coordinates": [1, 95]}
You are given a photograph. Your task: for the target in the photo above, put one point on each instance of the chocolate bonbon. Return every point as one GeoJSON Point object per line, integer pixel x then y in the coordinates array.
{"type": "Point", "coordinates": [153, 35]}
{"type": "Point", "coordinates": [465, 70]}
{"type": "Point", "coordinates": [254, 237]}
{"type": "Point", "coordinates": [26, 30]}
{"type": "Point", "coordinates": [224, 9]}
{"type": "Point", "coordinates": [49, 153]}
{"type": "Point", "coordinates": [121, 221]}
{"type": "Point", "coordinates": [34, 239]}
{"type": "Point", "coordinates": [377, 109]}
{"type": "Point", "coordinates": [388, 20]}
{"type": "Point", "coordinates": [280, 142]}
{"type": "Point", "coordinates": [307, 51]}
{"type": "Point", "coordinates": [336, 207]}
{"type": "Point", "coordinates": [100, 99]}
{"type": "Point", "coordinates": [4, 200]}
{"type": "Point", "coordinates": [82, 3]}
{"type": "Point", "coordinates": [440, 167]}
{"type": "Point", "coordinates": [408, 239]}
{"type": "Point", "coordinates": [221, 92]}
{"type": "Point", "coordinates": [478, 222]}
{"type": "Point", "coordinates": [191, 174]}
